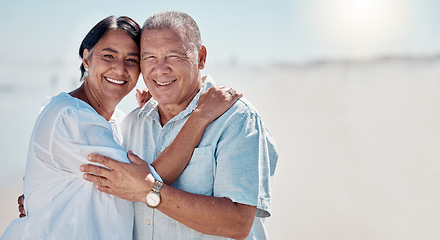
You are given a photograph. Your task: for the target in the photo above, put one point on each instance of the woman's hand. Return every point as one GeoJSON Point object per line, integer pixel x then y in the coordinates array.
{"type": "Point", "coordinates": [216, 101]}
{"type": "Point", "coordinates": [22, 212]}
{"type": "Point", "coordinates": [142, 96]}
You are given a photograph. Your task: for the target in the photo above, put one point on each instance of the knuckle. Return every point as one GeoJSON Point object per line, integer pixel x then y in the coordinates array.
{"type": "Point", "coordinates": [97, 170]}
{"type": "Point", "coordinates": [106, 161]}
{"type": "Point", "coordinates": [105, 189]}
{"type": "Point", "coordinates": [92, 168]}
{"type": "Point", "coordinates": [100, 181]}
{"type": "Point", "coordinates": [217, 89]}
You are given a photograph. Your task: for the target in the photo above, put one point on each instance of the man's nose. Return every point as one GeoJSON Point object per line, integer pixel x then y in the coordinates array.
{"type": "Point", "coordinates": [161, 66]}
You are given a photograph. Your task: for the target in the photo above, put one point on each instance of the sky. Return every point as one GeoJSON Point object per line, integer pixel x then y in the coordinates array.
{"type": "Point", "coordinates": [256, 32]}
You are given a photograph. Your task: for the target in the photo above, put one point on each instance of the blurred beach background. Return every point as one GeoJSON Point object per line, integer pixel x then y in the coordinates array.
{"type": "Point", "coordinates": [348, 88]}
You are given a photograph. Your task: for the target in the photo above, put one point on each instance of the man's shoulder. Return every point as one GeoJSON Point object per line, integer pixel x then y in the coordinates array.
{"type": "Point", "coordinates": [243, 107]}
{"type": "Point", "coordinates": [241, 112]}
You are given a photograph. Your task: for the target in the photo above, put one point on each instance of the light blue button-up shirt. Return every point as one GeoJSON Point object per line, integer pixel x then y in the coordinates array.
{"type": "Point", "coordinates": [236, 159]}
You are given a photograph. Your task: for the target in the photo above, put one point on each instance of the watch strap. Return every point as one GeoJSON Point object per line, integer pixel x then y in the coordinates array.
{"type": "Point", "coordinates": [157, 186]}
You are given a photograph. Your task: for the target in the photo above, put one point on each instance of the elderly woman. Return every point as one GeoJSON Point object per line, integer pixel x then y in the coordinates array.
{"type": "Point", "coordinates": [59, 203]}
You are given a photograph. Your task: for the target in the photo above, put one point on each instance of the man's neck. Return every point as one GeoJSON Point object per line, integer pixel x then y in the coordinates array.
{"type": "Point", "coordinates": [168, 111]}
{"type": "Point", "coordinates": [166, 115]}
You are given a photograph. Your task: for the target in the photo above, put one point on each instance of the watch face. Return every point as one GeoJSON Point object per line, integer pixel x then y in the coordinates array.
{"type": "Point", "coordinates": [153, 199]}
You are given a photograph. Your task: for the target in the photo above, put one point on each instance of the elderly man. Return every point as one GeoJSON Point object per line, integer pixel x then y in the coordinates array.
{"type": "Point", "coordinates": [225, 189]}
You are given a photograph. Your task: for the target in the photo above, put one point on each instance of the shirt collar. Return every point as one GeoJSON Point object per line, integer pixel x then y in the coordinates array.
{"type": "Point", "coordinates": [150, 108]}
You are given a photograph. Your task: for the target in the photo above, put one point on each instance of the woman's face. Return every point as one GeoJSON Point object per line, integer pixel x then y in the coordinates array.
{"type": "Point", "coordinates": [113, 66]}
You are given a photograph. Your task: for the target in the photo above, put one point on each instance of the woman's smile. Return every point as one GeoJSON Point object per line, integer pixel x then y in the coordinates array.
{"type": "Point", "coordinates": [115, 81]}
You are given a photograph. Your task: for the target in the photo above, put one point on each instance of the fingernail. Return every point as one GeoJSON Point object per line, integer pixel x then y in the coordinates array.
{"type": "Point", "coordinates": [85, 176]}
{"type": "Point", "coordinates": [81, 169]}
{"type": "Point", "coordinates": [89, 158]}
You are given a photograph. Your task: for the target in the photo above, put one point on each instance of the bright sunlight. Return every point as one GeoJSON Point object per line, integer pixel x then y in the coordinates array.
{"type": "Point", "coordinates": [361, 27]}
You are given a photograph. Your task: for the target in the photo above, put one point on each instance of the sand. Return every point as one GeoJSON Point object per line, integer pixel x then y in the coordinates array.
{"type": "Point", "coordinates": [8, 202]}
{"type": "Point", "coordinates": [358, 146]}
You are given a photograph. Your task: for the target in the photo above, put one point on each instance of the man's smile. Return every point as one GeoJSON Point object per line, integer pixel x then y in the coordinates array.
{"type": "Point", "coordinates": [164, 83]}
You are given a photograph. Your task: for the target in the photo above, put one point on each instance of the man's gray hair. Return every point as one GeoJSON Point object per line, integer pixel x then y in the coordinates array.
{"type": "Point", "coordinates": [180, 22]}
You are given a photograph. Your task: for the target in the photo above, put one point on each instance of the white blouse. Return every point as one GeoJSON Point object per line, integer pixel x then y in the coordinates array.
{"type": "Point", "coordinates": [59, 203]}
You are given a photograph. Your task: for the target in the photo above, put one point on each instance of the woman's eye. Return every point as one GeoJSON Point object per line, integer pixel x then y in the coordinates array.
{"type": "Point", "coordinates": [132, 60]}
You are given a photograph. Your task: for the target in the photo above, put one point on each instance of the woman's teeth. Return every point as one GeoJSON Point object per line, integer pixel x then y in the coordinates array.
{"type": "Point", "coordinates": [115, 81]}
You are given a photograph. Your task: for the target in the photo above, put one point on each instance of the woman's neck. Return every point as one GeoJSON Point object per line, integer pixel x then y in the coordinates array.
{"type": "Point", "coordinates": [87, 96]}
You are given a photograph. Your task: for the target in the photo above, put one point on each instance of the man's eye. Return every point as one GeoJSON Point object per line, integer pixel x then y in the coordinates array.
{"type": "Point", "coordinates": [108, 56]}
{"type": "Point", "coordinates": [174, 57]}
{"type": "Point", "coordinates": [148, 57]}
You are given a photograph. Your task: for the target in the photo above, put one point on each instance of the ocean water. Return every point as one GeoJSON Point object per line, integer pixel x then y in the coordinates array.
{"type": "Point", "coordinates": [358, 142]}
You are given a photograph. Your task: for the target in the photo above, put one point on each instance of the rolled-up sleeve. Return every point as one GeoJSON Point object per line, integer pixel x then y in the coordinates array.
{"type": "Point", "coordinates": [246, 158]}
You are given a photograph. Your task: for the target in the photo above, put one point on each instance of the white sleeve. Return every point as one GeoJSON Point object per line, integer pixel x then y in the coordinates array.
{"type": "Point", "coordinates": [58, 200]}
{"type": "Point", "coordinates": [78, 133]}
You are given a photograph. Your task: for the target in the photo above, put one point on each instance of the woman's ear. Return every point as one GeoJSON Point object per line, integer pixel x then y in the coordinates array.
{"type": "Point", "coordinates": [85, 57]}
{"type": "Point", "coordinates": [202, 57]}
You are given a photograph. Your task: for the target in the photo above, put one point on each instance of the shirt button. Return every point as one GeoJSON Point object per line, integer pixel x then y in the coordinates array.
{"type": "Point", "coordinates": [148, 221]}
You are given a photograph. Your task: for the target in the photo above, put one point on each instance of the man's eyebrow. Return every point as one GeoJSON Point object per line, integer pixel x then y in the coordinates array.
{"type": "Point", "coordinates": [179, 52]}
{"type": "Point", "coordinates": [171, 51]}
{"type": "Point", "coordinates": [146, 53]}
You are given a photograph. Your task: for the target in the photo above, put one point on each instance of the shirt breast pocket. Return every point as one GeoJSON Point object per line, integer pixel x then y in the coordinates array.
{"type": "Point", "coordinates": [198, 176]}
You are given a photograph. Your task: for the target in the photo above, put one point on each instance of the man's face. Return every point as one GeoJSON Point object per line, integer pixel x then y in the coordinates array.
{"type": "Point", "coordinates": [169, 67]}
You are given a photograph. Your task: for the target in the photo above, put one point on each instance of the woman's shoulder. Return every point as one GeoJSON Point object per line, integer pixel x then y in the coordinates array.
{"type": "Point", "coordinates": [65, 105]}
{"type": "Point", "coordinates": [65, 100]}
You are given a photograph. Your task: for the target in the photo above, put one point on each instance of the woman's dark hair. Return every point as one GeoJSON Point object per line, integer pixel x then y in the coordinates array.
{"type": "Point", "coordinates": [110, 23]}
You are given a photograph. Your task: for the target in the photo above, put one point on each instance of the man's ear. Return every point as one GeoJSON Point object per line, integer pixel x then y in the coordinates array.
{"type": "Point", "coordinates": [85, 56]}
{"type": "Point", "coordinates": [202, 57]}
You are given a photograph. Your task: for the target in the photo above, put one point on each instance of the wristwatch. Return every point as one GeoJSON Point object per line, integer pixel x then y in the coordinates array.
{"type": "Point", "coordinates": [153, 197]}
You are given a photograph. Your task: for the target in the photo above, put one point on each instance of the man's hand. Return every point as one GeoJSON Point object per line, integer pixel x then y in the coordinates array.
{"type": "Point", "coordinates": [21, 206]}
{"type": "Point", "coordinates": [130, 181]}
